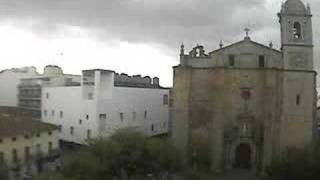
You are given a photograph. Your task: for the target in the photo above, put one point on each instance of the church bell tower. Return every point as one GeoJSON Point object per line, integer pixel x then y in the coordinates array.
{"type": "Point", "coordinates": [298, 108]}
{"type": "Point", "coordinates": [296, 35]}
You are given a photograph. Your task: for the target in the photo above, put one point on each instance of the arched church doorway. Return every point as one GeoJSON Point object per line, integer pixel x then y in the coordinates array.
{"type": "Point", "coordinates": [243, 156]}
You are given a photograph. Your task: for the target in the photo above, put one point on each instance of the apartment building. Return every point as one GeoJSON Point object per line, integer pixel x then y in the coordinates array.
{"type": "Point", "coordinates": [29, 89]}
{"type": "Point", "coordinates": [27, 146]}
{"type": "Point", "coordinates": [9, 80]}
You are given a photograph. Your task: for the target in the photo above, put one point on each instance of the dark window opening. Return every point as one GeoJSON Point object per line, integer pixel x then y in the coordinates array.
{"type": "Point", "coordinates": [231, 60]}
{"type": "Point", "coordinates": [298, 100]}
{"type": "Point", "coordinates": [145, 114]}
{"type": "Point", "coordinates": [297, 30]}
{"type": "Point", "coordinates": [71, 130]}
{"type": "Point", "coordinates": [14, 156]}
{"type": "Point", "coordinates": [261, 61]}
{"type": "Point", "coordinates": [27, 153]}
{"type": "Point", "coordinates": [121, 116]}
{"type": "Point", "coordinates": [165, 99]}
{"type": "Point", "coordinates": [49, 147]}
{"type": "Point", "coordinates": [88, 134]}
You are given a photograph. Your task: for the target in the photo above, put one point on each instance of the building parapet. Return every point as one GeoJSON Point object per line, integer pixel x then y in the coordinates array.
{"type": "Point", "coordinates": [124, 80]}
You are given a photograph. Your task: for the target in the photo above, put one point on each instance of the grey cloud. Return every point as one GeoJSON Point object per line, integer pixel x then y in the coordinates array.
{"type": "Point", "coordinates": [167, 22]}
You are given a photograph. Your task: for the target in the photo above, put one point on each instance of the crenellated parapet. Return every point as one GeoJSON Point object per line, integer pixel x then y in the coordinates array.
{"type": "Point", "coordinates": [136, 81]}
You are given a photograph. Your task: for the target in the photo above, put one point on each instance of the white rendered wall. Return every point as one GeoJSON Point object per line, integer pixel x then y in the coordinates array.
{"type": "Point", "coordinates": [69, 101]}
{"type": "Point", "coordinates": [124, 100]}
{"type": "Point", "coordinates": [9, 81]}
{"type": "Point", "coordinates": [136, 100]}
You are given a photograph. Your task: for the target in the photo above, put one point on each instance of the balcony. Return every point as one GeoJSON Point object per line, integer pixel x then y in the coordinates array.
{"type": "Point", "coordinates": [29, 106]}
{"type": "Point", "coordinates": [29, 96]}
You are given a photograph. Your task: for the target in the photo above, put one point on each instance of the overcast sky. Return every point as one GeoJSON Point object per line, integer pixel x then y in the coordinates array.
{"type": "Point", "coordinates": [130, 36]}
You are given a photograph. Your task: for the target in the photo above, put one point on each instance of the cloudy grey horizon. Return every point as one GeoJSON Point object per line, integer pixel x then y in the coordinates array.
{"type": "Point", "coordinates": [131, 36]}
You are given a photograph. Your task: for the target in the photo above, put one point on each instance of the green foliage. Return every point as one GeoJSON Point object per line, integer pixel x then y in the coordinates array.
{"type": "Point", "coordinates": [296, 165]}
{"type": "Point", "coordinates": [51, 176]}
{"type": "Point", "coordinates": [3, 171]}
{"type": "Point", "coordinates": [126, 154]}
{"type": "Point", "coordinates": [197, 175]}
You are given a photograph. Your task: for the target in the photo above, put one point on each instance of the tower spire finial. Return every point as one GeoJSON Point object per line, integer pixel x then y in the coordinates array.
{"type": "Point", "coordinates": [247, 30]}
{"type": "Point", "coordinates": [182, 49]}
{"type": "Point", "coordinates": [221, 44]}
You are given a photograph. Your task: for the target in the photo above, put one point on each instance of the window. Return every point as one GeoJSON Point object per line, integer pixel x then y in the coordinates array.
{"type": "Point", "coordinates": [80, 121]}
{"type": "Point", "coordinates": [261, 61]}
{"type": "Point", "coordinates": [60, 128]}
{"type": "Point", "coordinates": [49, 147]}
{"type": "Point", "coordinates": [14, 155]}
{"type": "Point", "coordinates": [61, 114]}
{"type": "Point", "coordinates": [71, 130]}
{"type": "Point", "coordinates": [298, 100]}
{"type": "Point", "coordinates": [152, 127]}
{"type": "Point", "coordinates": [296, 30]}
{"type": "Point", "coordinates": [88, 134]}
{"type": "Point", "coordinates": [102, 116]}
{"type": "Point", "coordinates": [171, 102]}
{"type": "Point", "coordinates": [231, 60]}
{"type": "Point", "coordinates": [103, 122]}
{"type": "Point", "coordinates": [45, 113]}
{"type": "Point", "coordinates": [38, 134]}
{"type": "Point", "coordinates": [27, 153]}
{"type": "Point", "coordinates": [52, 113]}
{"type": "Point", "coordinates": [1, 157]}
{"type": "Point", "coordinates": [164, 124]}
{"type": "Point", "coordinates": [121, 116]}
{"type": "Point", "coordinates": [14, 139]}
{"type": "Point", "coordinates": [134, 115]}
{"type": "Point", "coordinates": [26, 137]}
{"type": "Point", "coordinates": [49, 133]}
{"type": "Point", "coordinates": [1, 140]}
{"type": "Point", "coordinates": [47, 95]}
{"type": "Point", "coordinates": [87, 117]}
{"type": "Point", "coordinates": [90, 96]}
{"type": "Point", "coordinates": [145, 114]}
{"type": "Point", "coordinates": [165, 99]}
{"type": "Point", "coordinates": [38, 148]}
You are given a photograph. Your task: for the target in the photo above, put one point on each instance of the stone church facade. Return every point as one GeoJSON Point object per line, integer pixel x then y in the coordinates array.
{"type": "Point", "coordinates": [243, 104]}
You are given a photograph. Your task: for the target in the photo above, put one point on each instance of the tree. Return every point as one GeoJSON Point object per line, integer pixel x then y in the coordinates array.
{"type": "Point", "coordinates": [125, 155]}
{"type": "Point", "coordinates": [296, 164]}
{"type": "Point", "coordinates": [3, 172]}
{"type": "Point", "coordinates": [51, 176]}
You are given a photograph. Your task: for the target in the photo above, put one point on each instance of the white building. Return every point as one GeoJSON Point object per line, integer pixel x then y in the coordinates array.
{"type": "Point", "coordinates": [105, 102]}
{"type": "Point", "coordinates": [29, 89]}
{"type": "Point", "coordinates": [9, 80]}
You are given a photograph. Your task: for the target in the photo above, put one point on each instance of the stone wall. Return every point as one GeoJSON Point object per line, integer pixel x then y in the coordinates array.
{"type": "Point", "coordinates": [225, 107]}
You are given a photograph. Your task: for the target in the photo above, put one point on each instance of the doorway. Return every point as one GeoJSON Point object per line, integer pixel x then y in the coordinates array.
{"type": "Point", "coordinates": [243, 156]}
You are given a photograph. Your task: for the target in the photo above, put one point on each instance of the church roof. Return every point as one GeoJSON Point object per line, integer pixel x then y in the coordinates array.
{"type": "Point", "coordinates": [244, 41]}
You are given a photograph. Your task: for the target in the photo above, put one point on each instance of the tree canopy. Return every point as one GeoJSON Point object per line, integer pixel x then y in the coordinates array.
{"type": "Point", "coordinates": [125, 155]}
